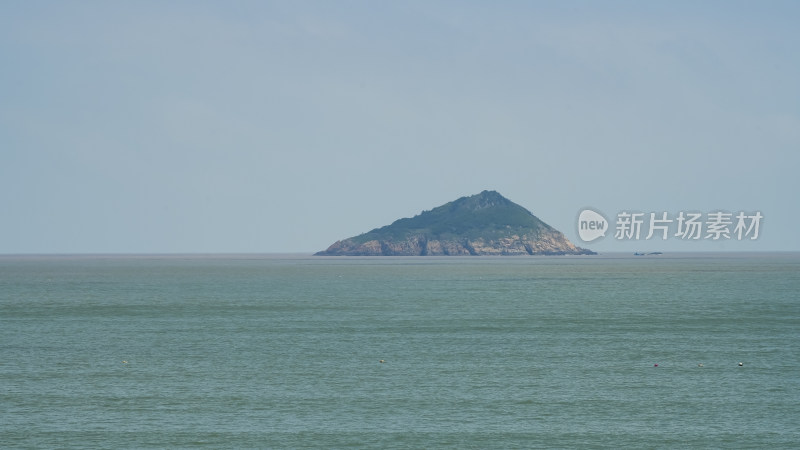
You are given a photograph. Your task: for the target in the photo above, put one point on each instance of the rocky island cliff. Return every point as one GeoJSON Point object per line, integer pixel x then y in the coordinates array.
{"type": "Point", "coordinates": [482, 224]}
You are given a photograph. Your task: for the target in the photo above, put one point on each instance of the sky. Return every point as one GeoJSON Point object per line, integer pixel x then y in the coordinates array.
{"type": "Point", "coordinates": [275, 127]}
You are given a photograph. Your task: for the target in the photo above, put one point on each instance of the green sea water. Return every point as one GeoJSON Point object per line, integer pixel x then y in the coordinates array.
{"type": "Point", "coordinates": [274, 351]}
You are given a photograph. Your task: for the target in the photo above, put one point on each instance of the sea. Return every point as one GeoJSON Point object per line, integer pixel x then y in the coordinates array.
{"type": "Point", "coordinates": [685, 350]}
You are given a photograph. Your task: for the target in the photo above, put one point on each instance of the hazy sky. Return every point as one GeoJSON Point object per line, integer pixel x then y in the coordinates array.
{"type": "Point", "coordinates": [231, 126]}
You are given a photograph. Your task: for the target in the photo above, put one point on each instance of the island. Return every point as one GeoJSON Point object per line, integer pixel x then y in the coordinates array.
{"type": "Point", "coordinates": [481, 224]}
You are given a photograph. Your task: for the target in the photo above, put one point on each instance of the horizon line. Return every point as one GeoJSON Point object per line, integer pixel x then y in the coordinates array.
{"type": "Point", "coordinates": [311, 253]}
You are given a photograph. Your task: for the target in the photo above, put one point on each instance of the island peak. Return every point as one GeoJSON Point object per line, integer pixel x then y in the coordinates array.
{"type": "Point", "coordinates": [482, 224]}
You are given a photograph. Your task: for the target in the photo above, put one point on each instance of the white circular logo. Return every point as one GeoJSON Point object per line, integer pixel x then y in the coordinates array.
{"type": "Point", "coordinates": [591, 225]}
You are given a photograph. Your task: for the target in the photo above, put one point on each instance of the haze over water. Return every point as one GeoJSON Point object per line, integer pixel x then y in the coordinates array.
{"type": "Point", "coordinates": [284, 351]}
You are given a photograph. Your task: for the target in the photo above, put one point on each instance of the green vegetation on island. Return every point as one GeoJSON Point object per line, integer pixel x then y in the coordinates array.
{"type": "Point", "coordinates": [482, 224]}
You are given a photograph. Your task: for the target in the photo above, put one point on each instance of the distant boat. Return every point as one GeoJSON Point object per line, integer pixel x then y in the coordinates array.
{"type": "Point", "coordinates": [647, 254]}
